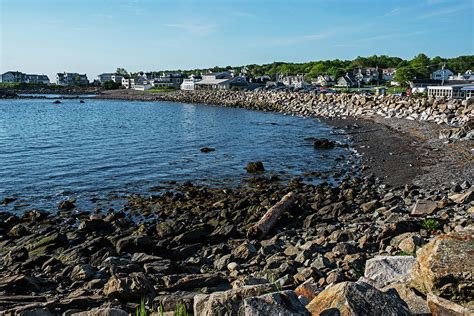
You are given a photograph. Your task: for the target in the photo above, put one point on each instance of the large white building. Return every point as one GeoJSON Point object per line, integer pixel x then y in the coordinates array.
{"type": "Point", "coordinates": [455, 91]}
{"type": "Point", "coordinates": [190, 83]}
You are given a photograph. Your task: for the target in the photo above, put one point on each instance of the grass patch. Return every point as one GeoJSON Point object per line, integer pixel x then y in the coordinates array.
{"type": "Point", "coordinates": [404, 253]}
{"type": "Point", "coordinates": [160, 90]}
{"type": "Point", "coordinates": [430, 224]}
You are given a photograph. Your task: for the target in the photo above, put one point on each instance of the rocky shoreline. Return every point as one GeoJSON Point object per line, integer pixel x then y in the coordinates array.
{"type": "Point", "coordinates": [381, 245]}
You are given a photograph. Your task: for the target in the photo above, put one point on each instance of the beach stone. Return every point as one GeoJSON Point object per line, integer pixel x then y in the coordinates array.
{"type": "Point", "coordinates": [132, 244]}
{"type": "Point", "coordinates": [244, 251]}
{"type": "Point", "coordinates": [442, 307]}
{"type": "Point", "coordinates": [134, 286]}
{"type": "Point", "coordinates": [102, 312]}
{"type": "Point", "coordinates": [82, 272]}
{"type": "Point", "coordinates": [416, 304]}
{"type": "Point", "coordinates": [66, 205]}
{"type": "Point", "coordinates": [308, 290]}
{"type": "Point", "coordinates": [283, 303]}
{"type": "Point", "coordinates": [356, 298]}
{"type": "Point", "coordinates": [228, 302]}
{"type": "Point", "coordinates": [15, 256]}
{"type": "Point", "coordinates": [462, 198]}
{"type": "Point", "coordinates": [444, 267]}
{"type": "Point", "coordinates": [424, 207]}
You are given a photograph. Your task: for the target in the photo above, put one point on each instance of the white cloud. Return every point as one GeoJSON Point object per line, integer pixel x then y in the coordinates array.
{"type": "Point", "coordinates": [444, 11]}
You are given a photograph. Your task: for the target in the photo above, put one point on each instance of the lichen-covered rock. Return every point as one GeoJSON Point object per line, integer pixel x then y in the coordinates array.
{"type": "Point", "coordinates": [228, 302]}
{"type": "Point", "coordinates": [128, 288]}
{"type": "Point", "coordinates": [441, 307]}
{"type": "Point", "coordinates": [416, 304]}
{"type": "Point", "coordinates": [387, 269]}
{"type": "Point", "coordinates": [284, 303]}
{"type": "Point", "coordinates": [357, 299]}
{"type": "Point", "coordinates": [445, 267]}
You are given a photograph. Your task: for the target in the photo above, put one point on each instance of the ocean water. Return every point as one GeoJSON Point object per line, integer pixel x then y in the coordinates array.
{"type": "Point", "coordinates": [102, 150]}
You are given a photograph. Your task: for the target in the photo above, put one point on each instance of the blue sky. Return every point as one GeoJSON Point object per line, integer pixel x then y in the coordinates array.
{"type": "Point", "coordinates": [94, 36]}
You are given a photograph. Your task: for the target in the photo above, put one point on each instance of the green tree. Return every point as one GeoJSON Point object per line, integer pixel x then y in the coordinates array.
{"type": "Point", "coordinates": [121, 72]}
{"type": "Point", "coordinates": [404, 75]}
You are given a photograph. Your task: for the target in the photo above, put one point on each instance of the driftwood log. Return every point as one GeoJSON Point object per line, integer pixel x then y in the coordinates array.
{"type": "Point", "coordinates": [266, 223]}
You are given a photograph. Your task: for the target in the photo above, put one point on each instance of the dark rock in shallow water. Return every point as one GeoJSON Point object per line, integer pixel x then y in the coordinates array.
{"type": "Point", "coordinates": [254, 167]}
{"type": "Point", "coordinates": [57, 102]}
{"type": "Point", "coordinates": [207, 149]}
{"type": "Point", "coordinates": [66, 205]}
{"type": "Point", "coordinates": [323, 143]}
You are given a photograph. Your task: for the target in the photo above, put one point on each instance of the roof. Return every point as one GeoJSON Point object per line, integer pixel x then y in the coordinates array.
{"type": "Point", "coordinates": [210, 81]}
{"type": "Point", "coordinates": [468, 88]}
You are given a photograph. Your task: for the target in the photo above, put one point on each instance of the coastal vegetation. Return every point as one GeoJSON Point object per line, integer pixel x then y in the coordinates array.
{"type": "Point", "coordinates": [419, 66]}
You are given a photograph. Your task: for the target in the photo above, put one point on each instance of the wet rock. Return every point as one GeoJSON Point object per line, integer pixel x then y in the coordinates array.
{"type": "Point", "coordinates": [207, 149]}
{"type": "Point", "coordinates": [356, 298]}
{"type": "Point", "coordinates": [284, 303]}
{"type": "Point", "coordinates": [323, 144]}
{"type": "Point", "coordinates": [18, 230]}
{"type": "Point", "coordinates": [383, 270]}
{"type": "Point", "coordinates": [132, 287]}
{"type": "Point", "coordinates": [228, 302]}
{"type": "Point", "coordinates": [66, 205]}
{"type": "Point", "coordinates": [57, 102]}
{"type": "Point", "coordinates": [20, 284]}
{"type": "Point", "coordinates": [255, 167]}
{"type": "Point", "coordinates": [442, 307]}
{"type": "Point", "coordinates": [7, 200]}
{"type": "Point", "coordinates": [424, 207]}
{"type": "Point", "coordinates": [444, 267]}
{"type": "Point", "coordinates": [193, 235]}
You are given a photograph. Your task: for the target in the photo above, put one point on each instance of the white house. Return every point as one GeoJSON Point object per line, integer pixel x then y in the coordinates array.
{"type": "Point", "coordinates": [109, 77]}
{"type": "Point", "coordinates": [441, 74]}
{"type": "Point", "coordinates": [189, 83]}
{"type": "Point", "coordinates": [222, 81]}
{"type": "Point", "coordinates": [346, 81]}
{"type": "Point", "coordinates": [468, 76]}
{"type": "Point", "coordinates": [324, 81]}
{"type": "Point", "coordinates": [292, 81]}
{"type": "Point", "coordinates": [128, 83]}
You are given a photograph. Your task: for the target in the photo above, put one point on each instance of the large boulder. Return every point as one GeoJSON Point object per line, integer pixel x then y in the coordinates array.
{"type": "Point", "coordinates": [383, 270]}
{"type": "Point", "coordinates": [357, 298]}
{"type": "Point", "coordinates": [284, 303]}
{"type": "Point", "coordinates": [445, 267]}
{"type": "Point", "coordinates": [128, 288]}
{"type": "Point", "coordinates": [228, 302]}
{"type": "Point", "coordinates": [442, 307]}
{"type": "Point", "coordinates": [416, 304]}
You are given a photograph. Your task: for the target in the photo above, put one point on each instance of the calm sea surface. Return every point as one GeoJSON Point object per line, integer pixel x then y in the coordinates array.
{"type": "Point", "coordinates": [102, 149]}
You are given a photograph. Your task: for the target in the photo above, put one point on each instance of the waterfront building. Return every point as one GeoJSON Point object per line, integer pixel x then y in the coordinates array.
{"type": "Point", "coordinates": [441, 74]}
{"type": "Point", "coordinates": [19, 77]}
{"type": "Point", "coordinates": [221, 81]}
{"type": "Point", "coordinates": [109, 77]}
{"type": "Point", "coordinates": [71, 79]}
{"type": "Point", "coordinates": [292, 81]}
{"type": "Point", "coordinates": [367, 75]}
{"type": "Point", "coordinates": [456, 91]}
{"type": "Point", "coordinates": [467, 76]}
{"type": "Point", "coordinates": [324, 81]}
{"type": "Point", "coordinates": [188, 84]}
{"type": "Point", "coordinates": [128, 83]}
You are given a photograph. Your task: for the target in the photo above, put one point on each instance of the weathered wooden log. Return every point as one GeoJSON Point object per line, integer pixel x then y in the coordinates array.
{"type": "Point", "coordinates": [266, 223]}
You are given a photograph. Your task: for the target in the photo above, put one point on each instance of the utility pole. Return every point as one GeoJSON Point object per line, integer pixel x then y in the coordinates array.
{"type": "Point", "coordinates": [443, 72]}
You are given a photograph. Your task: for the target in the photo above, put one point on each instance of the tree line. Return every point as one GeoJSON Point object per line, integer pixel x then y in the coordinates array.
{"type": "Point", "coordinates": [420, 66]}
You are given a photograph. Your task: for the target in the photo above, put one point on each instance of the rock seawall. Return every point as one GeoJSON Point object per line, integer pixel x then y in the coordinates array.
{"type": "Point", "coordinates": [441, 111]}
